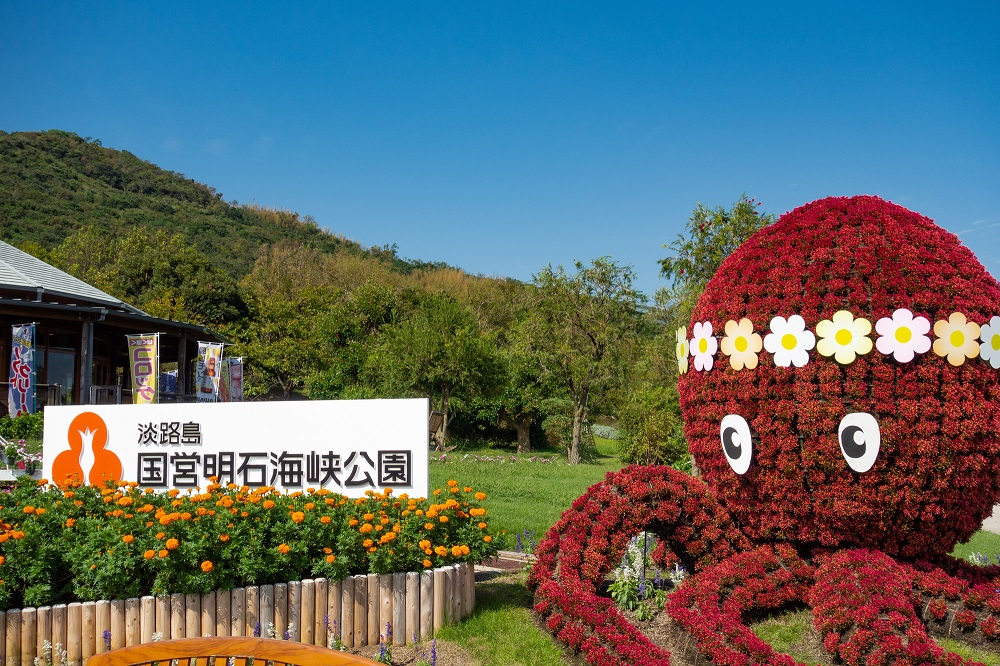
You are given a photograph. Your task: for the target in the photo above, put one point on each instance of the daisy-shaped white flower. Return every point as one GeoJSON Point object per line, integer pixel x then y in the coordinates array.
{"type": "Point", "coordinates": [703, 346]}
{"type": "Point", "coordinates": [741, 344]}
{"type": "Point", "coordinates": [682, 350]}
{"type": "Point", "coordinates": [789, 341]}
{"type": "Point", "coordinates": [956, 338]}
{"type": "Point", "coordinates": [843, 337]}
{"type": "Point", "coordinates": [989, 351]}
{"type": "Point", "coordinates": [903, 335]}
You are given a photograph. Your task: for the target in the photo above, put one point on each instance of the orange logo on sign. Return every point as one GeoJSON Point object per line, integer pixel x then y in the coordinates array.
{"type": "Point", "coordinates": [87, 458]}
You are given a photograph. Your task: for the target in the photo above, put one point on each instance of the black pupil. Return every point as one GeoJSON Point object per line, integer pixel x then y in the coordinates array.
{"type": "Point", "coordinates": [733, 448]}
{"type": "Point", "coordinates": [852, 449]}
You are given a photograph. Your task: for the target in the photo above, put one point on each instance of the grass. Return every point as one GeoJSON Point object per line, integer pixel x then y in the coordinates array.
{"type": "Point", "coordinates": [500, 631]}
{"type": "Point", "coordinates": [790, 633]}
{"type": "Point", "coordinates": [524, 495]}
{"type": "Point", "coordinates": [986, 543]}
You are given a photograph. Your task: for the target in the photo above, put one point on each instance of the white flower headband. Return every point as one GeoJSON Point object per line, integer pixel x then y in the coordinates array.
{"type": "Point", "coordinates": [844, 337]}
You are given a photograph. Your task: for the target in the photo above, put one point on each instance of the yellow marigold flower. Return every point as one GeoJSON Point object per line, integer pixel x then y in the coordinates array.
{"type": "Point", "coordinates": [172, 544]}
{"type": "Point", "coordinates": [480, 496]}
{"type": "Point", "coordinates": [298, 517]}
{"type": "Point", "coordinates": [163, 552]}
{"type": "Point", "coordinates": [284, 548]}
{"type": "Point", "coordinates": [325, 520]}
{"type": "Point", "coordinates": [207, 566]}
{"type": "Point", "coordinates": [330, 559]}
{"type": "Point", "coordinates": [128, 538]}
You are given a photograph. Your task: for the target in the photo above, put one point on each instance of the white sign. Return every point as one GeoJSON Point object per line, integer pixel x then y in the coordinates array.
{"type": "Point", "coordinates": [346, 446]}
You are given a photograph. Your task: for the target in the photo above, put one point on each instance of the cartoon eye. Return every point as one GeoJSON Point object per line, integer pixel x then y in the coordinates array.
{"type": "Point", "coordinates": [860, 439]}
{"type": "Point", "coordinates": [736, 442]}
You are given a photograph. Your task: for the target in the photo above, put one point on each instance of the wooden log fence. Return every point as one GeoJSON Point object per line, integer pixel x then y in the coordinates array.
{"type": "Point", "coordinates": [355, 610]}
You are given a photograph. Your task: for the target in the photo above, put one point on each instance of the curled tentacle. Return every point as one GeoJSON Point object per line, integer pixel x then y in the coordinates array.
{"type": "Point", "coordinates": [590, 538]}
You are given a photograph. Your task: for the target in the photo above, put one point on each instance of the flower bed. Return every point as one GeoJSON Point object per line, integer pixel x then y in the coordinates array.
{"type": "Point", "coordinates": [89, 543]}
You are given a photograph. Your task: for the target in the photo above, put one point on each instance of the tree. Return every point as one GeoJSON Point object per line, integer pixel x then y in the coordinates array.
{"type": "Point", "coordinates": [711, 235]}
{"type": "Point", "coordinates": [438, 352]}
{"type": "Point", "coordinates": [583, 327]}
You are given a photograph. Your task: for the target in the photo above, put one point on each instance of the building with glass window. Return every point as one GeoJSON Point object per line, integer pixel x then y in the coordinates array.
{"type": "Point", "coordinates": [81, 352]}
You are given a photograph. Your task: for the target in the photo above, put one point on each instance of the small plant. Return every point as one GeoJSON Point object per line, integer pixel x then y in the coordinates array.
{"type": "Point", "coordinates": [107, 640]}
{"type": "Point", "coordinates": [13, 451]}
{"type": "Point", "coordinates": [333, 640]}
{"type": "Point", "coordinates": [384, 655]}
{"type": "Point", "coordinates": [429, 659]}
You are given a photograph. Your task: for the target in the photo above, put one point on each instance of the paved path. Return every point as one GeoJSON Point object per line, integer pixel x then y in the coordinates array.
{"type": "Point", "coordinates": [992, 524]}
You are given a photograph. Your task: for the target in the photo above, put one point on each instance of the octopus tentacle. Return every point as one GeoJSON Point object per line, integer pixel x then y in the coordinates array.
{"type": "Point", "coordinates": [590, 538]}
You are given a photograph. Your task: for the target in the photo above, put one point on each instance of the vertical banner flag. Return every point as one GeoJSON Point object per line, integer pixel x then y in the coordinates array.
{"type": "Point", "coordinates": [209, 368]}
{"type": "Point", "coordinates": [144, 356]}
{"type": "Point", "coordinates": [224, 381]}
{"type": "Point", "coordinates": [21, 394]}
{"type": "Point", "coordinates": [236, 379]}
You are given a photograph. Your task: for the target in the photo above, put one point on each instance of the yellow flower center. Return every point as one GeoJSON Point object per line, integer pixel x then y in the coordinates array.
{"type": "Point", "coordinates": [903, 335]}
{"type": "Point", "coordinates": [788, 341]}
{"type": "Point", "coordinates": [995, 342]}
{"type": "Point", "coordinates": [703, 345]}
{"type": "Point", "coordinates": [843, 337]}
{"type": "Point", "coordinates": [957, 338]}
{"type": "Point", "coordinates": [741, 344]}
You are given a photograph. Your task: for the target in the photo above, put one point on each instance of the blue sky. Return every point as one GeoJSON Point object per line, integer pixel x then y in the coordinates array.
{"type": "Point", "coordinates": [500, 137]}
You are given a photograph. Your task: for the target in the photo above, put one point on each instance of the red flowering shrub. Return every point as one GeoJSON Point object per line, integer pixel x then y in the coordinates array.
{"type": "Point", "coordinates": [938, 471]}
{"type": "Point", "coordinates": [590, 539]}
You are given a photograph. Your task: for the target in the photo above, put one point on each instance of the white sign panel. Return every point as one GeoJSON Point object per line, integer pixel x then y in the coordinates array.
{"type": "Point", "coordinates": [346, 446]}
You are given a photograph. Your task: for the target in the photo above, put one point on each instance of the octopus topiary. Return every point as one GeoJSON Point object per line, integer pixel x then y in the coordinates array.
{"type": "Point", "coordinates": [841, 397]}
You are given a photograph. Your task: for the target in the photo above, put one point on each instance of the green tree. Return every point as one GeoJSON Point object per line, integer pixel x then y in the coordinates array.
{"type": "Point", "coordinates": [438, 352]}
{"type": "Point", "coordinates": [711, 235]}
{"type": "Point", "coordinates": [584, 327]}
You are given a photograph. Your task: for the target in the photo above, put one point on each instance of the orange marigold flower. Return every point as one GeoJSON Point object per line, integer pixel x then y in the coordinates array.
{"type": "Point", "coordinates": [330, 559]}
{"type": "Point", "coordinates": [437, 491]}
{"type": "Point", "coordinates": [310, 506]}
{"type": "Point", "coordinates": [327, 550]}
{"type": "Point", "coordinates": [424, 543]}
{"type": "Point", "coordinates": [70, 522]}
{"type": "Point", "coordinates": [443, 519]}
{"type": "Point", "coordinates": [456, 551]}
{"type": "Point", "coordinates": [284, 548]}
{"type": "Point", "coordinates": [487, 538]}
{"type": "Point", "coordinates": [207, 566]}
{"type": "Point", "coordinates": [452, 483]}
{"type": "Point", "coordinates": [464, 549]}
{"type": "Point", "coordinates": [369, 516]}
{"type": "Point", "coordinates": [372, 549]}
{"type": "Point", "coordinates": [453, 489]}
{"type": "Point", "coordinates": [298, 517]}
{"type": "Point", "coordinates": [2, 560]}
{"type": "Point", "coordinates": [365, 529]}
{"type": "Point", "coordinates": [467, 489]}
{"type": "Point", "coordinates": [40, 510]}
{"type": "Point", "coordinates": [128, 538]}
{"type": "Point", "coordinates": [172, 544]}
{"type": "Point", "coordinates": [325, 520]}
{"type": "Point", "coordinates": [163, 552]}
{"type": "Point", "coordinates": [427, 564]}
{"type": "Point", "coordinates": [160, 535]}
{"type": "Point", "coordinates": [428, 526]}
{"type": "Point", "coordinates": [268, 504]}
{"type": "Point", "coordinates": [223, 537]}
{"type": "Point", "coordinates": [28, 509]}
{"type": "Point", "coordinates": [367, 543]}
{"type": "Point", "coordinates": [441, 551]}
{"type": "Point", "coordinates": [125, 501]}
{"type": "Point", "coordinates": [482, 526]}
{"type": "Point", "coordinates": [480, 496]}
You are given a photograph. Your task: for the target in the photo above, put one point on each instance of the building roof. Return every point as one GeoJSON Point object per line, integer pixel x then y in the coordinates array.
{"type": "Point", "coordinates": [22, 273]}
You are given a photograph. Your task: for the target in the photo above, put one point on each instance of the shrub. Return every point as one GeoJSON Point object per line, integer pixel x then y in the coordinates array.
{"type": "Point", "coordinates": [26, 426]}
{"type": "Point", "coordinates": [123, 541]}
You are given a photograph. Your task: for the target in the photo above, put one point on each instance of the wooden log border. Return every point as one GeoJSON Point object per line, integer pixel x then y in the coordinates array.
{"type": "Point", "coordinates": [319, 611]}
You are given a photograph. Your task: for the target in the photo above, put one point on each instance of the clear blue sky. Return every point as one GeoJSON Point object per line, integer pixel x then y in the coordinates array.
{"type": "Point", "coordinates": [500, 137]}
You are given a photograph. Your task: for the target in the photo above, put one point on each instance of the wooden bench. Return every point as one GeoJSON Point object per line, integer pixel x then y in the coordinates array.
{"type": "Point", "coordinates": [221, 650]}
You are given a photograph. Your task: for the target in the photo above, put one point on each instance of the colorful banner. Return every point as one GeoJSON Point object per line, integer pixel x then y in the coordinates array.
{"type": "Point", "coordinates": [231, 386]}
{"type": "Point", "coordinates": [208, 371]}
{"type": "Point", "coordinates": [144, 357]}
{"type": "Point", "coordinates": [21, 393]}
